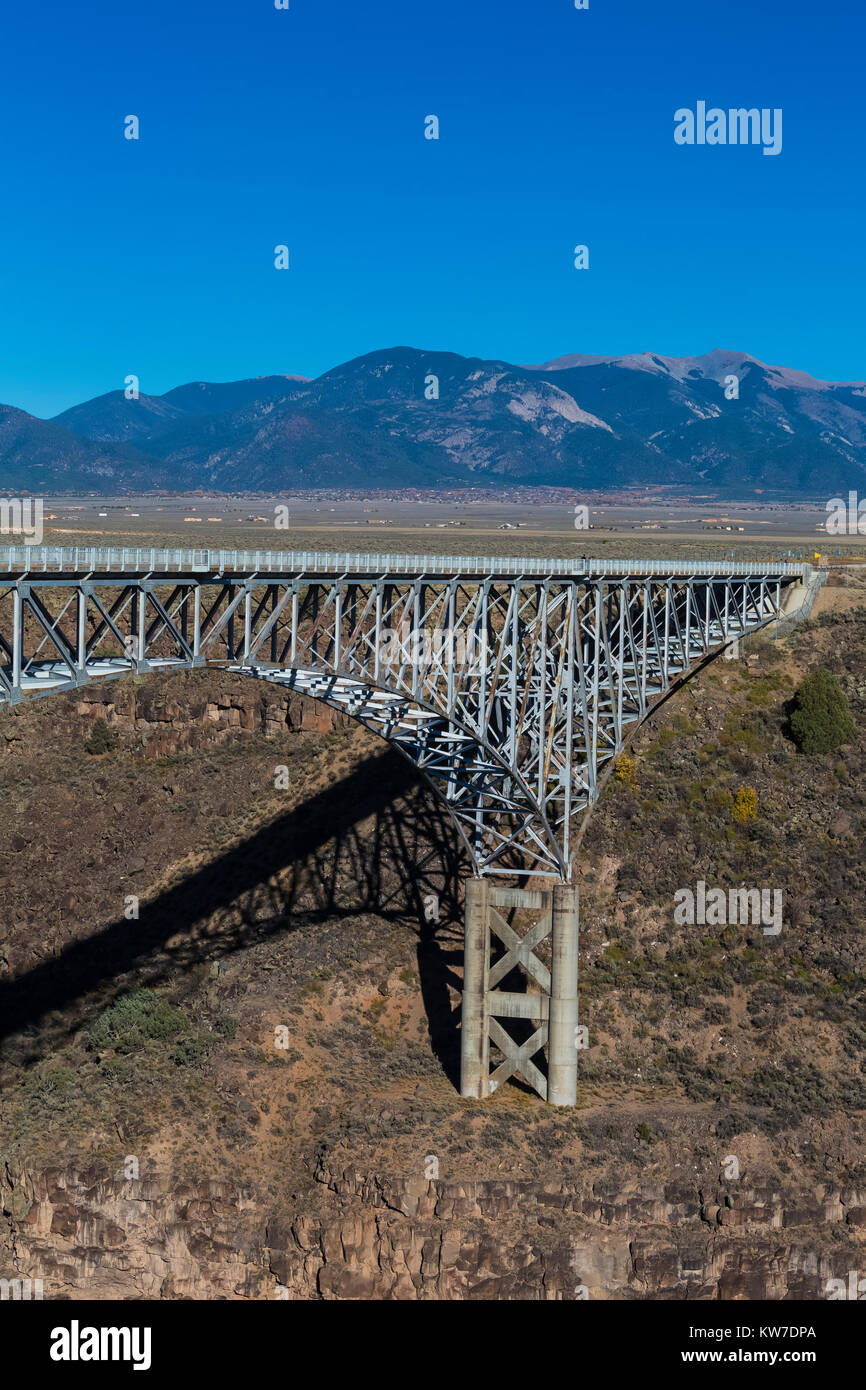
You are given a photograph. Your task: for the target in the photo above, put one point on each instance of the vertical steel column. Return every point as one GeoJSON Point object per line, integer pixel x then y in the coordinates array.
{"type": "Point", "coordinates": [620, 663]}
{"type": "Point", "coordinates": [570, 640]}
{"type": "Point", "coordinates": [230, 625]}
{"type": "Point", "coordinates": [647, 600]}
{"type": "Point", "coordinates": [17, 635]}
{"type": "Point", "coordinates": [511, 636]}
{"type": "Point", "coordinates": [139, 627]}
{"type": "Point", "coordinates": [416, 639]}
{"type": "Point", "coordinates": [450, 653]}
{"type": "Point", "coordinates": [474, 1032]}
{"type": "Point", "coordinates": [688, 651]}
{"type": "Point", "coordinates": [538, 721]}
{"type": "Point", "coordinates": [666, 661]}
{"type": "Point", "coordinates": [338, 627]}
{"type": "Point", "coordinates": [727, 608]}
{"type": "Point", "coordinates": [196, 625]}
{"type": "Point", "coordinates": [562, 1028]}
{"type": "Point", "coordinates": [248, 622]}
{"type": "Point", "coordinates": [293, 655]}
{"type": "Point", "coordinates": [593, 714]}
{"type": "Point", "coordinates": [81, 632]}
{"type": "Point", "coordinates": [377, 636]}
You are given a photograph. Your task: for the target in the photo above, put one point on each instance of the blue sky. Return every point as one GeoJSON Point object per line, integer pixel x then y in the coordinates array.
{"type": "Point", "coordinates": [306, 128]}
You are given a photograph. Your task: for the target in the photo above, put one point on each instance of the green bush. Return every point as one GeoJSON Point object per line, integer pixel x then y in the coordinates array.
{"type": "Point", "coordinates": [136, 1019]}
{"type": "Point", "coordinates": [821, 719]}
{"type": "Point", "coordinates": [57, 1086]}
{"type": "Point", "coordinates": [102, 739]}
{"type": "Point", "coordinates": [191, 1050]}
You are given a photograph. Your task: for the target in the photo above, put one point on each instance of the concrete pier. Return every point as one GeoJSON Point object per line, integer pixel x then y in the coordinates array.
{"type": "Point", "coordinates": [562, 1034]}
{"type": "Point", "coordinates": [474, 1033]}
{"type": "Point", "coordinates": [551, 1009]}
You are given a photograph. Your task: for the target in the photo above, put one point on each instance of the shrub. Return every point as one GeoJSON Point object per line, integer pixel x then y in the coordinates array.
{"type": "Point", "coordinates": [821, 719]}
{"type": "Point", "coordinates": [191, 1050]}
{"type": "Point", "coordinates": [745, 807]}
{"type": "Point", "coordinates": [730, 1123]}
{"type": "Point", "coordinates": [57, 1086]}
{"type": "Point", "coordinates": [626, 771]}
{"type": "Point", "coordinates": [717, 1013]}
{"type": "Point", "coordinates": [137, 1018]}
{"type": "Point", "coordinates": [102, 739]}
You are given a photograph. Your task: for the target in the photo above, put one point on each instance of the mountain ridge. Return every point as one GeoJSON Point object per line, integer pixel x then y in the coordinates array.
{"type": "Point", "coordinates": [405, 416]}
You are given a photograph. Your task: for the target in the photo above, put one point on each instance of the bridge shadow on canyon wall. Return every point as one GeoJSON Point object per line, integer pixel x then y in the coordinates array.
{"type": "Point", "coordinates": [376, 842]}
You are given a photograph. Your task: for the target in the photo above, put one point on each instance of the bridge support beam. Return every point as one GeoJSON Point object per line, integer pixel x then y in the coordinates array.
{"type": "Point", "coordinates": [562, 1044]}
{"type": "Point", "coordinates": [547, 1009]}
{"type": "Point", "coordinates": [474, 1030]}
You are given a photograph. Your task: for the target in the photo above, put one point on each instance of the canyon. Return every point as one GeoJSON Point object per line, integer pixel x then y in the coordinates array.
{"type": "Point", "coordinates": [158, 1140]}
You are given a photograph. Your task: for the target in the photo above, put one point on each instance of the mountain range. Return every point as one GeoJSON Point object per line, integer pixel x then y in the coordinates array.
{"type": "Point", "coordinates": [404, 417]}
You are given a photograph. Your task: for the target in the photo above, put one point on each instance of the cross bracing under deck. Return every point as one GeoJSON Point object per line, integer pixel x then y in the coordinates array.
{"type": "Point", "coordinates": [511, 684]}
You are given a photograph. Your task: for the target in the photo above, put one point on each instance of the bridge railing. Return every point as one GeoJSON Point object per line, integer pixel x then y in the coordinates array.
{"type": "Point", "coordinates": [142, 560]}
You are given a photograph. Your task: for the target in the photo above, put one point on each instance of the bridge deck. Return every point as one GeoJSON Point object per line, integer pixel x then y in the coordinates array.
{"type": "Point", "coordinates": [78, 561]}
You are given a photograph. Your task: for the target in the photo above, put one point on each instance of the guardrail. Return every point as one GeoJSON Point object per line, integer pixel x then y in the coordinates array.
{"type": "Point", "coordinates": [121, 560]}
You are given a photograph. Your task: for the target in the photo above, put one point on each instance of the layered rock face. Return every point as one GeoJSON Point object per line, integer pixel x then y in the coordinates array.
{"type": "Point", "coordinates": [90, 1235]}
{"type": "Point", "coordinates": [169, 723]}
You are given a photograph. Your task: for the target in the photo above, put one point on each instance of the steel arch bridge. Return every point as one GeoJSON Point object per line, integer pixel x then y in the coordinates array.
{"type": "Point", "coordinates": [510, 684]}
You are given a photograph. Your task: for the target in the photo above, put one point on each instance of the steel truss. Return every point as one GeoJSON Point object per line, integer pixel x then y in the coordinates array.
{"type": "Point", "coordinates": [511, 693]}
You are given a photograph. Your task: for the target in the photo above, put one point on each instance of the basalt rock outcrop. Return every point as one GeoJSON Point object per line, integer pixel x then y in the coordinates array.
{"type": "Point", "coordinates": [177, 716]}
{"type": "Point", "coordinates": [88, 1234]}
